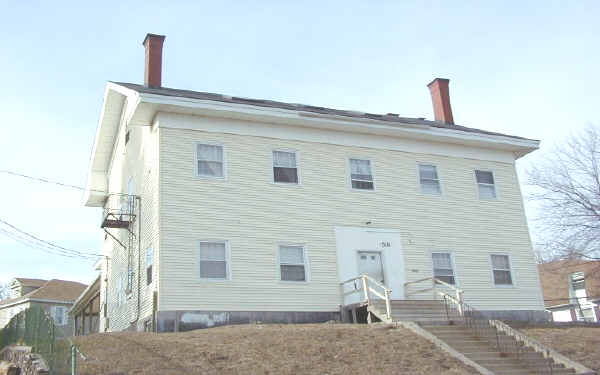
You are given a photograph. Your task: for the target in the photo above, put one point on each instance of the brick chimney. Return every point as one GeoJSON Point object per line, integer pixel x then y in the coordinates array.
{"type": "Point", "coordinates": [440, 96]}
{"type": "Point", "coordinates": [153, 68]}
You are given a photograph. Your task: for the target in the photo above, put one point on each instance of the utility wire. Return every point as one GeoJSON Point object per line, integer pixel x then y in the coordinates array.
{"type": "Point", "coordinates": [40, 179]}
{"type": "Point", "coordinates": [34, 241]}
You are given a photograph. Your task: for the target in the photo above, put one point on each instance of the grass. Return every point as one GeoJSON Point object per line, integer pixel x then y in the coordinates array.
{"type": "Point", "coordinates": [267, 349]}
{"type": "Point", "coordinates": [581, 344]}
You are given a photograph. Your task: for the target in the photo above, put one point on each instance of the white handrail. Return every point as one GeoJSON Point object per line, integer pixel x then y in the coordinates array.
{"type": "Point", "coordinates": [367, 281]}
{"type": "Point", "coordinates": [459, 293]}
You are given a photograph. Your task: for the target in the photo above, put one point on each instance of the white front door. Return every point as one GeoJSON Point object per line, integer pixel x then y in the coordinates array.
{"type": "Point", "coordinates": [369, 263]}
{"type": "Point", "coordinates": [374, 251]}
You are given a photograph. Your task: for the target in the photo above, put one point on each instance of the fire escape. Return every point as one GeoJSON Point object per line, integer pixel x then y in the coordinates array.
{"type": "Point", "coordinates": [120, 213]}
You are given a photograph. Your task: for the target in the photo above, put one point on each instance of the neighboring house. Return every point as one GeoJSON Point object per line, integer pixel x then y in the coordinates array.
{"type": "Point", "coordinates": [571, 289]}
{"type": "Point", "coordinates": [54, 296]}
{"type": "Point", "coordinates": [221, 209]}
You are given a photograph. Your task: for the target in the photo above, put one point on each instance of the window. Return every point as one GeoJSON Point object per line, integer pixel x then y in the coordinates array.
{"type": "Point", "coordinates": [210, 160]}
{"type": "Point", "coordinates": [149, 263]}
{"type": "Point", "coordinates": [126, 137]}
{"type": "Point", "coordinates": [443, 268]}
{"type": "Point", "coordinates": [59, 315]}
{"type": "Point", "coordinates": [430, 182]}
{"type": "Point", "coordinates": [578, 285]}
{"type": "Point", "coordinates": [501, 270]}
{"type": "Point", "coordinates": [213, 260]}
{"type": "Point", "coordinates": [361, 175]}
{"type": "Point", "coordinates": [485, 183]}
{"type": "Point", "coordinates": [285, 169]}
{"type": "Point", "coordinates": [292, 263]}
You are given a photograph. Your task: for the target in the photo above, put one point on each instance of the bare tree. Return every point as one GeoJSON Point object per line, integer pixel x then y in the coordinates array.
{"type": "Point", "coordinates": [4, 291]}
{"type": "Point", "coordinates": [567, 188]}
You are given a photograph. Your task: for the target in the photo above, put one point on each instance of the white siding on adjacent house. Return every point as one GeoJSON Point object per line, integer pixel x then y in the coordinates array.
{"type": "Point", "coordinates": [255, 216]}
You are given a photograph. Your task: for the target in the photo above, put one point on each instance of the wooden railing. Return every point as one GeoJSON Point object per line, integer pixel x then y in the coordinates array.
{"type": "Point", "coordinates": [457, 298]}
{"type": "Point", "coordinates": [370, 289]}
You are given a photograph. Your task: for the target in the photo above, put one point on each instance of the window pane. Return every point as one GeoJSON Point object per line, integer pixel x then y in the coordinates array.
{"type": "Point", "coordinates": [446, 279]}
{"type": "Point", "coordinates": [431, 187]}
{"type": "Point", "coordinates": [210, 153]}
{"type": "Point", "coordinates": [212, 251]}
{"type": "Point", "coordinates": [149, 257]}
{"type": "Point", "coordinates": [441, 260]}
{"type": "Point", "coordinates": [291, 255]}
{"type": "Point", "coordinates": [502, 277]}
{"type": "Point", "coordinates": [500, 262]}
{"type": "Point", "coordinates": [284, 159]}
{"type": "Point", "coordinates": [484, 177]}
{"type": "Point", "coordinates": [487, 191]}
{"type": "Point", "coordinates": [289, 175]}
{"type": "Point", "coordinates": [292, 273]}
{"type": "Point", "coordinates": [365, 185]}
{"type": "Point", "coordinates": [210, 168]}
{"type": "Point", "coordinates": [149, 275]}
{"type": "Point", "coordinates": [210, 269]}
{"type": "Point", "coordinates": [428, 172]}
{"type": "Point", "coordinates": [361, 167]}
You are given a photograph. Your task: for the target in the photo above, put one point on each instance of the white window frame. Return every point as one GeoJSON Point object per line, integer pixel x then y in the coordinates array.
{"type": "Point", "coordinates": [349, 172]}
{"type": "Point", "coordinates": [495, 185]}
{"type": "Point", "coordinates": [439, 179]}
{"type": "Point", "coordinates": [227, 260]}
{"type": "Point", "coordinates": [452, 261]}
{"type": "Point", "coordinates": [64, 319]}
{"type": "Point", "coordinates": [210, 143]}
{"type": "Point", "coordinates": [512, 271]}
{"type": "Point", "coordinates": [305, 258]}
{"type": "Point", "coordinates": [291, 151]}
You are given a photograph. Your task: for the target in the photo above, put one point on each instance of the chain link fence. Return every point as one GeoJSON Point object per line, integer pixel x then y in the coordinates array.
{"type": "Point", "coordinates": [35, 328]}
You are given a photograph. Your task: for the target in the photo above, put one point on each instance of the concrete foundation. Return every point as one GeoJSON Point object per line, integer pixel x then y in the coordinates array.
{"type": "Point", "coordinates": [521, 316]}
{"type": "Point", "coordinates": [177, 321]}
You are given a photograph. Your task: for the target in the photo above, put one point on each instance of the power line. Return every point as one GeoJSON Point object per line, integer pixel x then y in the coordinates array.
{"type": "Point", "coordinates": [34, 241]}
{"type": "Point", "coordinates": [47, 181]}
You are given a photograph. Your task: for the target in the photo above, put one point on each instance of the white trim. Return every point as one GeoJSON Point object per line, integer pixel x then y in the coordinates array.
{"type": "Point", "coordinates": [307, 274]}
{"type": "Point", "coordinates": [349, 172]}
{"type": "Point", "coordinates": [513, 277]}
{"type": "Point", "coordinates": [288, 150]}
{"type": "Point", "coordinates": [224, 161]}
{"type": "Point", "coordinates": [452, 261]}
{"type": "Point", "coordinates": [227, 260]}
{"type": "Point", "coordinates": [495, 185]}
{"type": "Point", "coordinates": [439, 179]}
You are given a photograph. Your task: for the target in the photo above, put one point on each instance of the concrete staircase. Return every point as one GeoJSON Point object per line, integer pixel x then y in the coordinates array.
{"type": "Point", "coordinates": [487, 355]}
{"type": "Point", "coordinates": [421, 311]}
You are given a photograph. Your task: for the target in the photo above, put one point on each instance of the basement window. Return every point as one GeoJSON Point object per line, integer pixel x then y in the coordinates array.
{"type": "Point", "coordinates": [486, 184]}
{"type": "Point", "coordinates": [443, 268]}
{"type": "Point", "coordinates": [292, 263]}
{"type": "Point", "coordinates": [501, 269]}
{"type": "Point", "coordinates": [361, 175]}
{"type": "Point", "coordinates": [214, 260]}
{"type": "Point", "coordinates": [285, 168]}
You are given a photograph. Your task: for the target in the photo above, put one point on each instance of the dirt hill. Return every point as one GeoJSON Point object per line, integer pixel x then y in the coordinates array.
{"type": "Point", "coordinates": [267, 349]}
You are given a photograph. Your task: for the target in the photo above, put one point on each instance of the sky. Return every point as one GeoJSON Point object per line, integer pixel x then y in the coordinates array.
{"type": "Point", "coordinates": [522, 68]}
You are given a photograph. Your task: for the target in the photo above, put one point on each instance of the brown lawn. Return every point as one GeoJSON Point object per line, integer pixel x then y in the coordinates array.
{"type": "Point", "coordinates": [267, 349]}
{"type": "Point", "coordinates": [581, 344]}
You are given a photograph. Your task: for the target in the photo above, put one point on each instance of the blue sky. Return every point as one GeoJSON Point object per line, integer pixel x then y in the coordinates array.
{"type": "Point", "coordinates": [523, 68]}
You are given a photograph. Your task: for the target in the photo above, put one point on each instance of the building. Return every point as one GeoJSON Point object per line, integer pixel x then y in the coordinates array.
{"type": "Point", "coordinates": [54, 296]}
{"type": "Point", "coordinates": [571, 289]}
{"type": "Point", "coordinates": [221, 209]}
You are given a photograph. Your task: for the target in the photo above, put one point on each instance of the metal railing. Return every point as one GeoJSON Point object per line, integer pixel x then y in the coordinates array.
{"type": "Point", "coordinates": [371, 289]}
{"type": "Point", "coordinates": [507, 345]}
{"type": "Point", "coordinates": [33, 327]}
{"type": "Point", "coordinates": [119, 207]}
{"type": "Point", "coordinates": [439, 288]}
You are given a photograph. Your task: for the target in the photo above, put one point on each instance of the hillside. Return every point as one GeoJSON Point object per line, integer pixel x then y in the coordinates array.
{"type": "Point", "coordinates": [267, 349]}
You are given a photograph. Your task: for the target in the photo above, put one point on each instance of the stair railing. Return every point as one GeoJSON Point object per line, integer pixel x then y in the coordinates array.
{"type": "Point", "coordinates": [435, 288]}
{"type": "Point", "coordinates": [370, 289]}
